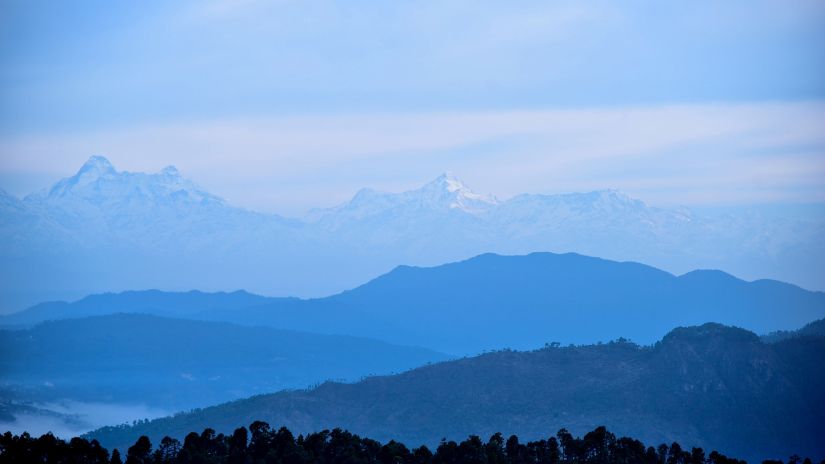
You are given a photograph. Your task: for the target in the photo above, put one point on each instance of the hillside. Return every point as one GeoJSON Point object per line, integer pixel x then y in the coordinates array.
{"type": "Point", "coordinates": [177, 364]}
{"type": "Point", "coordinates": [711, 386]}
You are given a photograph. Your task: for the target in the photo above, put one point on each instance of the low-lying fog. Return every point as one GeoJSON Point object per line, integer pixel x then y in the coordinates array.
{"type": "Point", "coordinates": [67, 419]}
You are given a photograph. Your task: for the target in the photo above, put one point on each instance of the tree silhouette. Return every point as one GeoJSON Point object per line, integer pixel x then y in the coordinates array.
{"type": "Point", "coordinates": [261, 445]}
{"type": "Point", "coordinates": [139, 453]}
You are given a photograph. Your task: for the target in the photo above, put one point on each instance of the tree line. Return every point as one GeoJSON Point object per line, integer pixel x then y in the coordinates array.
{"type": "Point", "coordinates": [261, 444]}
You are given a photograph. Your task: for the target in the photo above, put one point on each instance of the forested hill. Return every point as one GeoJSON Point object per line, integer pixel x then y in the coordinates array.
{"type": "Point", "coordinates": [711, 386]}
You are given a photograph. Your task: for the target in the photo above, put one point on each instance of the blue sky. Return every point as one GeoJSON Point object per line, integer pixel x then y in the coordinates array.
{"type": "Point", "coordinates": [284, 105]}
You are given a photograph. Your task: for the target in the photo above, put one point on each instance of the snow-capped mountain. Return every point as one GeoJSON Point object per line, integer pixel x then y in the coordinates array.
{"type": "Point", "coordinates": [105, 230]}
{"type": "Point", "coordinates": [445, 194]}
{"type": "Point", "coordinates": [97, 182]}
{"type": "Point", "coordinates": [447, 191]}
{"type": "Point", "coordinates": [162, 211]}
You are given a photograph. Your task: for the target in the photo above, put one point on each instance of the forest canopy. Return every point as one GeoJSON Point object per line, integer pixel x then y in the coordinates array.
{"type": "Point", "coordinates": [262, 444]}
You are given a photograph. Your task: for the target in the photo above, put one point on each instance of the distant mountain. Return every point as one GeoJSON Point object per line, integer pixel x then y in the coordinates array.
{"type": "Point", "coordinates": [491, 302]}
{"type": "Point", "coordinates": [443, 195]}
{"type": "Point", "coordinates": [107, 230]}
{"type": "Point", "coordinates": [104, 229]}
{"type": "Point", "coordinates": [711, 386]}
{"type": "Point", "coordinates": [169, 304]}
{"type": "Point", "coordinates": [445, 220]}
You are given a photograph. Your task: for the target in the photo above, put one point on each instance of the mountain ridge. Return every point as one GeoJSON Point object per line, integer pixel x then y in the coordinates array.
{"type": "Point", "coordinates": [173, 233]}
{"type": "Point", "coordinates": [493, 301]}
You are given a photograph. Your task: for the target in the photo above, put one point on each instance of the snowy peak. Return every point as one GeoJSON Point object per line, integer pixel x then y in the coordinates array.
{"type": "Point", "coordinates": [447, 182]}
{"type": "Point", "coordinates": [98, 182]}
{"type": "Point", "coordinates": [448, 191]}
{"type": "Point", "coordinates": [92, 171]}
{"type": "Point", "coordinates": [96, 166]}
{"type": "Point", "coordinates": [445, 194]}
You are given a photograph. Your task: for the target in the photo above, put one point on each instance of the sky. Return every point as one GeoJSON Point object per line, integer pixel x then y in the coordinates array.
{"type": "Point", "coordinates": [282, 106]}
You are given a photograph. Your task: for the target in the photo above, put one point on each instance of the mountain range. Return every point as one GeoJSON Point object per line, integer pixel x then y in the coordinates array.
{"type": "Point", "coordinates": [106, 230]}
{"type": "Point", "coordinates": [489, 302]}
{"type": "Point", "coordinates": [712, 386]}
